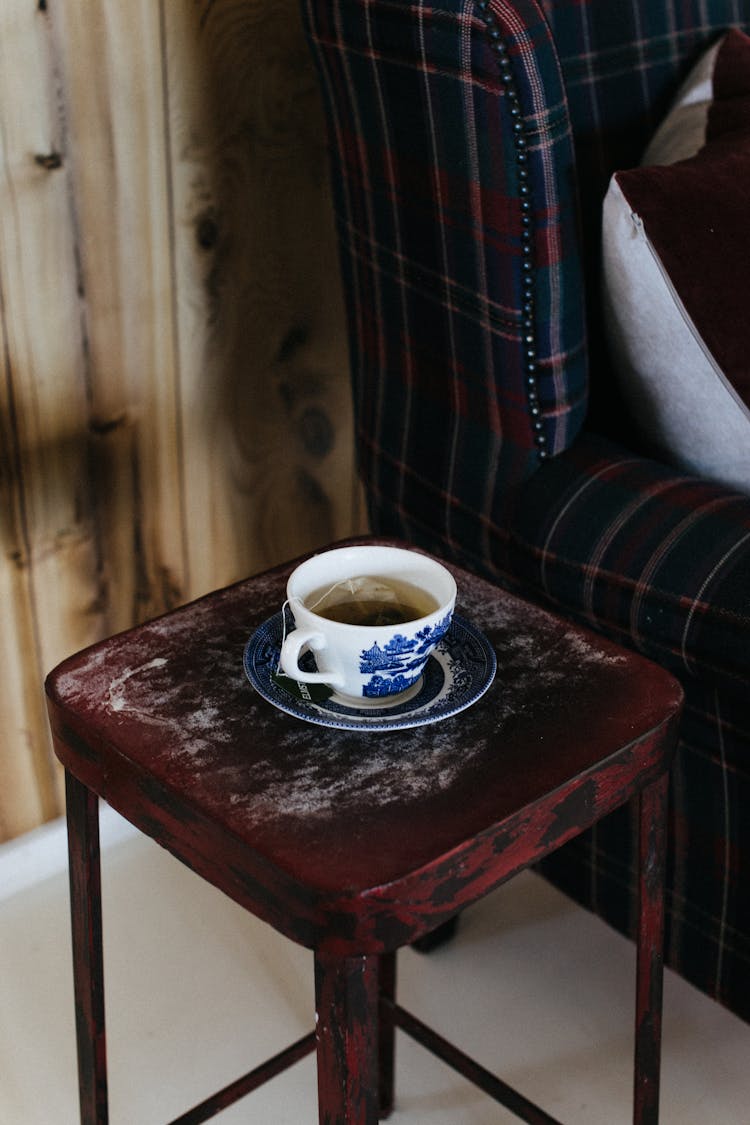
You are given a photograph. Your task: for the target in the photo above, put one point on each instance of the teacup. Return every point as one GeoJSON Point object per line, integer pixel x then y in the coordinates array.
{"type": "Point", "coordinates": [370, 656]}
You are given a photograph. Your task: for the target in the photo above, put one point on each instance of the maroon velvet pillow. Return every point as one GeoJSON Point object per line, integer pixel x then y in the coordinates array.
{"type": "Point", "coordinates": [677, 273]}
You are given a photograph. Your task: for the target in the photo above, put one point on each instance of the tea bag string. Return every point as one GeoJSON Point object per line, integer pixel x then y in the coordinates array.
{"type": "Point", "coordinates": [284, 607]}
{"type": "Point", "coordinates": [324, 595]}
{"type": "Point", "coordinates": [283, 637]}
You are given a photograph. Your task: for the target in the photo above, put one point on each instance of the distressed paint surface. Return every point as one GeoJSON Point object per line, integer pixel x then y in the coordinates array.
{"type": "Point", "coordinates": [357, 844]}
{"type": "Point", "coordinates": [346, 1006]}
{"type": "Point", "coordinates": [86, 919]}
{"type": "Point", "coordinates": [358, 841]}
{"type": "Point", "coordinates": [650, 956]}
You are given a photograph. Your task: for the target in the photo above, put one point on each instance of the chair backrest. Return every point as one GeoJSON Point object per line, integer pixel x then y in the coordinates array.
{"type": "Point", "coordinates": [622, 62]}
{"type": "Point", "coordinates": [454, 176]}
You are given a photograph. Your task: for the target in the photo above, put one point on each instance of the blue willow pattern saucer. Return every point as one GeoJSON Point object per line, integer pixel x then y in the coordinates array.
{"type": "Point", "coordinates": [458, 672]}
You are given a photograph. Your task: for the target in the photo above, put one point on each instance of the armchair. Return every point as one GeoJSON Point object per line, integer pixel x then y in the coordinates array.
{"type": "Point", "coordinates": [472, 143]}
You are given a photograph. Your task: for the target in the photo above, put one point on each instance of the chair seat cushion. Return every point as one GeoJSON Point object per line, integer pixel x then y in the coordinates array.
{"type": "Point", "coordinates": [657, 560]}
{"type": "Point", "coordinates": [676, 243]}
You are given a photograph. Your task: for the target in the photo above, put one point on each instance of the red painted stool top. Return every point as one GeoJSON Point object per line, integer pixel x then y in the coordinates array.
{"type": "Point", "coordinates": [359, 842]}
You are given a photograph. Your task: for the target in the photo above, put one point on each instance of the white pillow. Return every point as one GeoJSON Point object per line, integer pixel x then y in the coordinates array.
{"type": "Point", "coordinates": [676, 268]}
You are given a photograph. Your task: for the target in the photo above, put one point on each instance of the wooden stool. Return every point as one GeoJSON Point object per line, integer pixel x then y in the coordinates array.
{"type": "Point", "coordinates": [355, 844]}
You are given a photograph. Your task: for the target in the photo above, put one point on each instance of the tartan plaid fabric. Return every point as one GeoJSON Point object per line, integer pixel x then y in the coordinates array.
{"type": "Point", "coordinates": [661, 562]}
{"type": "Point", "coordinates": [658, 560]}
{"type": "Point", "coordinates": [707, 925]}
{"type": "Point", "coordinates": [463, 278]}
{"type": "Point", "coordinates": [651, 569]}
{"type": "Point", "coordinates": [455, 208]}
{"type": "Point", "coordinates": [622, 64]}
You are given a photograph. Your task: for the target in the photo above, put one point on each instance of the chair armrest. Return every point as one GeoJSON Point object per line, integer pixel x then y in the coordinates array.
{"type": "Point", "coordinates": [657, 560]}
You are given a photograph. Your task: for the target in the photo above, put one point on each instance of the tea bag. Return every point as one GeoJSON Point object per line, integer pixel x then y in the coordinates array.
{"type": "Point", "coordinates": [369, 601]}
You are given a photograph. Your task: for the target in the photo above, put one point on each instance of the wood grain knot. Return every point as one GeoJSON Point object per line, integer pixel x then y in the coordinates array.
{"type": "Point", "coordinates": [317, 432]}
{"type": "Point", "coordinates": [207, 231]}
{"type": "Point", "coordinates": [49, 160]}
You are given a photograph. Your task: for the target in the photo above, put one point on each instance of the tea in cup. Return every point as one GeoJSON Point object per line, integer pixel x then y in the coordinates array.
{"type": "Point", "coordinates": [371, 616]}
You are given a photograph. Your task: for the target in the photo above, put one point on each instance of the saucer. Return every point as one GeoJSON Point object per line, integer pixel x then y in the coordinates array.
{"type": "Point", "coordinates": [457, 673]}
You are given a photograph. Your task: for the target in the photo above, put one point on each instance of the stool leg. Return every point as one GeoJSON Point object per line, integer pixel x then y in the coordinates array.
{"type": "Point", "coordinates": [346, 1003]}
{"type": "Point", "coordinates": [650, 959]}
{"type": "Point", "coordinates": [387, 1034]}
{"type": "Point", "coordinates": [88, 964]}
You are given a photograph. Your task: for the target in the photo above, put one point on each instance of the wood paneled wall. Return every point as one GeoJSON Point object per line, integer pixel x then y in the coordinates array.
{"type": "Point", "coordinates": [174, 407]}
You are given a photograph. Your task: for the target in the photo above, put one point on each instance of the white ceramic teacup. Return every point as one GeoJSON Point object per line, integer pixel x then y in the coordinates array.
{"type": "Point", "coordinates": [370, 664]}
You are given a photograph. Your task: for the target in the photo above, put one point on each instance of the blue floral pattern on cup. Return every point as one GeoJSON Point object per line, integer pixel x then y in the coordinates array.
{"type": "Point", "coordinates": [398, 664]}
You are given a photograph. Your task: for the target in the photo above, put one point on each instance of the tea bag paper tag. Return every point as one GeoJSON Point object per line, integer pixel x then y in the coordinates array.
{"type": "Point", "coordinates": [308, 693]}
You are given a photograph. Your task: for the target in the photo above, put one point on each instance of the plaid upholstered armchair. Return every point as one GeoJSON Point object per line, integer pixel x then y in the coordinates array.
{"type": "Point", "coordinates": [472, 145]}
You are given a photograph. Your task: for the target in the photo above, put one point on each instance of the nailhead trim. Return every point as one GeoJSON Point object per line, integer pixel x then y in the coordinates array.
{"type": "Point", "coordinates": [505, 66]}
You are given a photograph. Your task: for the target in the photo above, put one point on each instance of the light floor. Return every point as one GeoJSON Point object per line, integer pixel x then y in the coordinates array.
{"type": "Point", "coordinates": [199, 992]}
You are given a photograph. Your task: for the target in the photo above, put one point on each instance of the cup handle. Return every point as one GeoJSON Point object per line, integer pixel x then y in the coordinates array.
{"type": "Point", "coordinates": [290, 653]}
